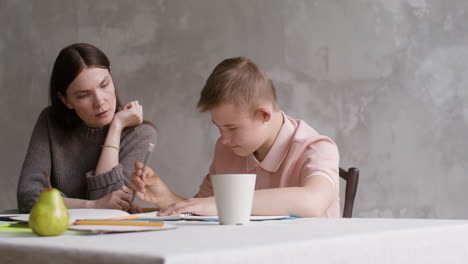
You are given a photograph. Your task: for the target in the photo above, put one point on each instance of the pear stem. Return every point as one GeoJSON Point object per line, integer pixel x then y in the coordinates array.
{"type": "Point", "coordinates": [48, 180]}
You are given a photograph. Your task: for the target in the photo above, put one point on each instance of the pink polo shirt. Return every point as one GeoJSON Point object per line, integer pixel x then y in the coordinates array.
{"type": "Point", "coordinates": [298, 153]}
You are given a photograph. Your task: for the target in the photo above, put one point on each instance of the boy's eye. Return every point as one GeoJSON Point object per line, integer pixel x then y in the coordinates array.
{"type": "Point", "coordinates": [232, 128]}
{"type": "Point", "coordinates": [105, 84]}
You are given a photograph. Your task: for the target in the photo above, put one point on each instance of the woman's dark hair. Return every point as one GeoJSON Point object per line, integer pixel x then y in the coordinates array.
{"type": "Point", "coordinates": [69, 63]}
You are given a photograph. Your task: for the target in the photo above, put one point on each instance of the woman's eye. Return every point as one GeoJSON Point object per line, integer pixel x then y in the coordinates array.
{"type": "Point", "coordinates": [105, 85]}
{"type": "Point", "coordinates": [82, 96]}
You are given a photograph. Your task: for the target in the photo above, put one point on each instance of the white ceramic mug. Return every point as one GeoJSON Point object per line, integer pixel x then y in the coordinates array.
{"type": "Point", "coordinates": [234, 197]}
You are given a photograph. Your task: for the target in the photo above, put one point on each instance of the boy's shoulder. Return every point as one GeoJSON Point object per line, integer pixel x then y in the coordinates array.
{"type": "Point", "coordinates": [299, 129]}
{"type": "Point", "coordinates": [305, 135]}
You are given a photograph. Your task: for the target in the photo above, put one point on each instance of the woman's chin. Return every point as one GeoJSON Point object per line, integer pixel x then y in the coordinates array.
{"type": "Point", "coordinates": [100, 123]}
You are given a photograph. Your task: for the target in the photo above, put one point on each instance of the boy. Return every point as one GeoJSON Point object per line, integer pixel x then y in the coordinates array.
{"type": "Point", "coordinates": [297, 169]}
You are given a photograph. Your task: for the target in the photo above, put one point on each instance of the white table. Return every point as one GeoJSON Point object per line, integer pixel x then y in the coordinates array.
{"type": "Point", "coordinates": [286, 241]}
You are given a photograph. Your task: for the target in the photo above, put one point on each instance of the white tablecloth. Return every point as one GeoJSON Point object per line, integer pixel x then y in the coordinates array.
{"type": "Point", "coordinates": [286, 241]}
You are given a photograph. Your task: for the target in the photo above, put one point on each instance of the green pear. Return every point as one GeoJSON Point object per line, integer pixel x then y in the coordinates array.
{"type": "Point", "coordinates": [49, 216]}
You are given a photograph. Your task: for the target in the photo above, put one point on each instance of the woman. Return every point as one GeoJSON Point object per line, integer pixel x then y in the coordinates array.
{"type": "Point", "coordinates": [86, 141]}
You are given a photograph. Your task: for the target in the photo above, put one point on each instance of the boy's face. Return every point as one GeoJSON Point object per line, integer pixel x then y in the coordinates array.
{"type": "Point", "coordinates": [241, 131]}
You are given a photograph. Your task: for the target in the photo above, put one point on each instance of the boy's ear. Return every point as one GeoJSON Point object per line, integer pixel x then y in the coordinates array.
{"type": "Point", "coordinates": [265, 114]}
{"type": "Point", "coordinates": [64, 100]}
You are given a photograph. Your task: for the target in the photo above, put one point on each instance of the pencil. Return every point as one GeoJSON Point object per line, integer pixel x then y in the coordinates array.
{"type": "Point", "coordinates": [127, 217]}
{"type": "Point", "coordinates": [149, 209]}
{"type": "Point", "coordinates": [124, 223]}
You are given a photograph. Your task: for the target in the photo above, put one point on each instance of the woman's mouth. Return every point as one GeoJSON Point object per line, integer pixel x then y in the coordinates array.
{"type": "Point", "coordinates": [102, 114]}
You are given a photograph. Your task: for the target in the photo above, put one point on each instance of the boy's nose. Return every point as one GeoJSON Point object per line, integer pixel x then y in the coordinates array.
{"type": "Point", "coordinates": [225, 140]}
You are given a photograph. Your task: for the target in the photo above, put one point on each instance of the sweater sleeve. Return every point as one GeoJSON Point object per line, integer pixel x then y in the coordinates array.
{"type": "Point", "coordinates": [133, 147]}
{"type": "Point", "coordinates": [37, 161]}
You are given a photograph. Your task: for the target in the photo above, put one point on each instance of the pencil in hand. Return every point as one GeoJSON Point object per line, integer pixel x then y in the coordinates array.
{"type": "Point", "coordinates": [150, 149]}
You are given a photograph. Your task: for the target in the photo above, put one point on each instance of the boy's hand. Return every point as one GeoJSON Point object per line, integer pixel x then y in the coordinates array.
{"type": "Point", "coordinates": [199, 206]}
{"type": "Point", "coordinates": [151, 188]}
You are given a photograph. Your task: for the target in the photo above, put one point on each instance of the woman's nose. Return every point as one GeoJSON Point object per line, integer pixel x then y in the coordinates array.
{"type": "Point", "coordinates": [99, 99]}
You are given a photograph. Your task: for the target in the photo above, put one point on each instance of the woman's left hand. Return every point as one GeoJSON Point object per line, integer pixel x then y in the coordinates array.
{"type": "Point", "coordinates": [119, 199]}
{"type": "Point", "coordinates": [130, 115]}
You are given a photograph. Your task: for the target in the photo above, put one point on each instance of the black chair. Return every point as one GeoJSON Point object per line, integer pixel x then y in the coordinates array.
{"type": "Point", "coordinates": [351, 176]}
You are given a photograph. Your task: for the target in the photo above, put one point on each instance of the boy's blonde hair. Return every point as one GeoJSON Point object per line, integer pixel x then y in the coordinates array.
{"type": "Point", "coordinates": [238, 81]}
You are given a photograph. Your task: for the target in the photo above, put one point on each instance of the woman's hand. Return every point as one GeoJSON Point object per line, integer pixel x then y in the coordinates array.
{"type": "Point", "coordinates": [199, 206]}
{"type": "Point", "coordinates": [150, 187]}
{"type": "Point", "coordinates": [120, 199]}
{"type": "Point", "coordinates": [130, 115]}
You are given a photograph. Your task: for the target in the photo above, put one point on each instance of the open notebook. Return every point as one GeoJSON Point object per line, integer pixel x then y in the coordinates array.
{"type": "Point", "coordinates": [77, 214]}
{"type": "Point", "coordinates": [192, 217]}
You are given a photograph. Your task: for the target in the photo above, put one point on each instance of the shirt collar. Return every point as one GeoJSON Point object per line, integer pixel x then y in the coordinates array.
{"type": "Point", "coordinates": [278, 150]}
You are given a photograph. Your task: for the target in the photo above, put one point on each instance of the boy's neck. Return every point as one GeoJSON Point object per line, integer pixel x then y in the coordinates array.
{"type": "Point", "coordinates": [275, 127]}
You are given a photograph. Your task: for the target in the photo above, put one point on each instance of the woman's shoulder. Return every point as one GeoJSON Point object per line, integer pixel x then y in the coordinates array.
{"type": "Point", "coordinates": [45, 114]}
{"type": "Point", "coordinates": [47, 110]}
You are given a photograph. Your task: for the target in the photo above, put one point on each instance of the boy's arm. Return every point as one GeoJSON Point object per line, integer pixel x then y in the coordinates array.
{"type": "Point", "coordinates": [151, 188]}
{"type": "Point", "coordinates": [310, 200]}
{"type": "Point", "coordinates": [316, 193]}
{"type": "Point", "coordinates": [318, 190]}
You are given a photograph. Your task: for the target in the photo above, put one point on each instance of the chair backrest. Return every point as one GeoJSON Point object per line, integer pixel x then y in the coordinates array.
{"type": "Point", "coordinates": [351, 176]}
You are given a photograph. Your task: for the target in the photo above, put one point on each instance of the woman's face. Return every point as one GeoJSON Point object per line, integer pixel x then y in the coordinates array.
{"type": "Point", "coordinates": [92, 95]}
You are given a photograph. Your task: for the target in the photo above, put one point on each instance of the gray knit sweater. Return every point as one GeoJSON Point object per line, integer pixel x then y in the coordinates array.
{"type": "Point", "coordinates": [70, 159]}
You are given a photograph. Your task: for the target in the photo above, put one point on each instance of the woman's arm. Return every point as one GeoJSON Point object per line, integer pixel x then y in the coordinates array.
{"type": "Point", "coordinates": [134, 144]}
{"type": "Point", "coordinates": [71, 203]}
{"type": "Point", "coordinates": [116, 200]}
{"type": "Point", "coordinates": [110, 150]}
{"type": "Point", "coordinates": [37, 162]}
{"type": "Point", "coordinates": [131, 115]}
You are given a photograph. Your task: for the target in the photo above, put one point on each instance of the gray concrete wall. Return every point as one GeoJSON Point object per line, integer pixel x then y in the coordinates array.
{"type": "Point", "coordinates": [386, 79]}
